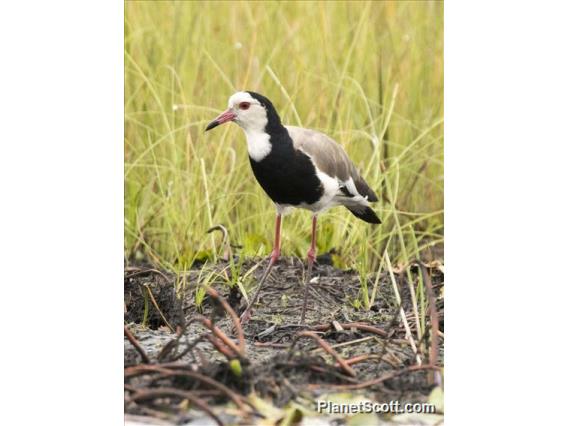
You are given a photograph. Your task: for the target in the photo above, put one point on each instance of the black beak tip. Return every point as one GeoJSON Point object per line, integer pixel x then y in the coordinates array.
{"type": "Point", "coordinates": [212, 125]}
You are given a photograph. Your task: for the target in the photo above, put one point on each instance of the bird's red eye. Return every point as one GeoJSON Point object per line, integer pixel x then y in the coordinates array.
{"type": "Point", "coordinates": [244, 105]}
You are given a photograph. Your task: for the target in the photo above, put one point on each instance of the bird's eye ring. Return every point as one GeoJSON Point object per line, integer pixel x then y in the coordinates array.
{"type": "Point", "coordinates": [244, 105]}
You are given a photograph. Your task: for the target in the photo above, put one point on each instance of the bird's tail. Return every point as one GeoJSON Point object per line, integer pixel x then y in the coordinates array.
{"type": "Point", "coordinates": [364, 213]}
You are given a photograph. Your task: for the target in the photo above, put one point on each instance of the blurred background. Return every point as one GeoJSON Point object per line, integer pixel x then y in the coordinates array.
{"type": "Point", "coordinates": [369, 74]}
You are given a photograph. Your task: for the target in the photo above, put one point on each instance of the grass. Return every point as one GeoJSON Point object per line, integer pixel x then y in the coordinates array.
{"type": "Point", "coordinates": [369, 74]}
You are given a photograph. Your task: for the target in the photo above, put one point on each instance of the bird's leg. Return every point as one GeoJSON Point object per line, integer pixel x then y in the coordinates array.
{"type": "Point", "coordinates": [273, 258]}
{"type": "Point", "coordinates": [311, 258]}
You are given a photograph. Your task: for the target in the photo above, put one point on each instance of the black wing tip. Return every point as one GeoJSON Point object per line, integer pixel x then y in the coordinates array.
{"type": "Point", "coordinates": [372, 197]}
{"type": "Point", "coordinates": [366, 214]}
{"type": "Point", "coordinates": [365, 190]}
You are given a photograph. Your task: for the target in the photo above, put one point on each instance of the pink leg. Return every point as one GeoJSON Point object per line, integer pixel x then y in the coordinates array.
{"type": "Point", "coordinates": [311, 259]}
{"type": "Point", "coordinates": [273, 258]}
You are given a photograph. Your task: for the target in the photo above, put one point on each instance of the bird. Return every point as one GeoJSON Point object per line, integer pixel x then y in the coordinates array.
{"type": "Point", "coordinates": [297, 168]}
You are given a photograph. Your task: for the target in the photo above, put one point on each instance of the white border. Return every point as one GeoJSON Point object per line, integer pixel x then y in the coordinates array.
{"type": "Point", "coordinates": [506, 160]}
{"type": "Point", "coordinates": [61, 162]}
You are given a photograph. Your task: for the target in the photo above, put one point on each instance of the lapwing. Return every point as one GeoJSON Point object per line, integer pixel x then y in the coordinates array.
{"type": "Point", "coordinates": [297, 168]}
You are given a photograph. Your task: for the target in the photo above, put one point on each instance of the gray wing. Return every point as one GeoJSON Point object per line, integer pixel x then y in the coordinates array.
{"type": "Point", "coordinates": [330, 158]}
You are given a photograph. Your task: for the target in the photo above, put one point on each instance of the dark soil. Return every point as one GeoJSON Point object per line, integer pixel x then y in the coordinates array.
{"type": "Point", "coordinates": [272, 368]}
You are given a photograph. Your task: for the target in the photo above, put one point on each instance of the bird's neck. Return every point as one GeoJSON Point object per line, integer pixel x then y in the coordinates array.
{"type": "Point", "coordinates": [258, 144]}
{"type": "Point", "coordinates": [274, 125]}
{"type": "Point", "coordinates": [261, 143]}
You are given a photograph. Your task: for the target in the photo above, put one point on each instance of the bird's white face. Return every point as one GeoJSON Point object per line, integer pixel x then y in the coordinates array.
{"type": "Point", "coordinates": [244, 110]}
{"type": "Point", "coordinates": [249, 113]}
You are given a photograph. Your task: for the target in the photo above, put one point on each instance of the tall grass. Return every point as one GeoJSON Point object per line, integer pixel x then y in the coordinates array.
{"type": "Point", "coordinates": [369, 74]}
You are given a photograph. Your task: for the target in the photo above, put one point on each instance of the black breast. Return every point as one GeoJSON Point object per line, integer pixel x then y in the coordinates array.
{"type": "Point", "coordinates": [287, 176]}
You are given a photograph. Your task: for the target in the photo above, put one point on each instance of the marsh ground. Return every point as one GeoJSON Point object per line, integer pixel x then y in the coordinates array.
{"type": "Point", "coordinates": [285, 371]}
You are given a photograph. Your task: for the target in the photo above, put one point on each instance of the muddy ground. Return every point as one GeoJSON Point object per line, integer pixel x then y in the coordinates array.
{"type": "Point", "coordinates": [280, 374]}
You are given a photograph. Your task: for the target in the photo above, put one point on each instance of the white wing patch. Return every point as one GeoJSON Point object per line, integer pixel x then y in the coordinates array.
{"type": "Point", "coordinates": [330, 190]}
{"type": "Point", "coordinates": [332, 195]}
{"type": "Point", "coordinates": [356, 199]}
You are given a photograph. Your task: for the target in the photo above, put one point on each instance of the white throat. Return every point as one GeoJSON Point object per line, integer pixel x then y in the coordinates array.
{"type": "Point", "coordinates": [258, 143]}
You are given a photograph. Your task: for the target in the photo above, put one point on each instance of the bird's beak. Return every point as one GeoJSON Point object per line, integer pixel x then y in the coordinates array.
{"type": "Point", "coordinates": [228, 115]}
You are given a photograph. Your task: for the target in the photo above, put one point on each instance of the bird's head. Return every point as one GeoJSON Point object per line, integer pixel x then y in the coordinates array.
{"type": "Point", "coordinates": [250, 110]}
